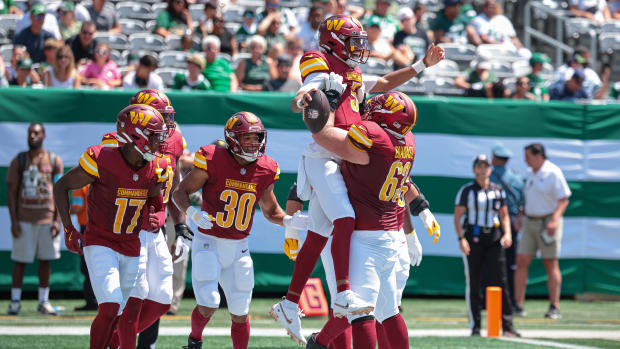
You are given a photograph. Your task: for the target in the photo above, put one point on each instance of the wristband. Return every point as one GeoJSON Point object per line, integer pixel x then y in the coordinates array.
{"type": "Point", "coordinates": [298, 103]}
{"type": "Point", "coordinates": [461, 237]}
{"type": "Point", "coordinates": [419, 66]}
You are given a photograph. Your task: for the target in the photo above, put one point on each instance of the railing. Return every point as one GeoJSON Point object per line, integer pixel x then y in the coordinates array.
{"type": "Point", "coordinates": [556, 42]}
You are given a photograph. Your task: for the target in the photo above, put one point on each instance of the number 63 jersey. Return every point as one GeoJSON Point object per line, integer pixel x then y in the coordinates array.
{"type": "Point", "coordinates": [377, 190]}
{"type": "Point", "coordinates": [232, 191]}
{"type": "Point", "coordinates": [117, 198]}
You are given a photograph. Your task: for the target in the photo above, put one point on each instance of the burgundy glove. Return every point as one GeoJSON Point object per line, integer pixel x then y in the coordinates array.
{"type": "Point", "coordinates": [155, 220]}
{"type": "Point", "coordinates": [73, 240]}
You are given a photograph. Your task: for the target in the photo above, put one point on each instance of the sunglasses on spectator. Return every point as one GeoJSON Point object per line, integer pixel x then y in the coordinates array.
{"type": "Point", "coordinates": [101, 51]}
{"type": "Point", "coordinates": [523, 82]}
{"type": "Point", "coordinates": [64, 56]}
{"type": "Point", "coordinates": [87, 32]}
{"type": "Point", "coordinates": [49, 47]}
{"type": "Point", "coordinates": [39, 16]}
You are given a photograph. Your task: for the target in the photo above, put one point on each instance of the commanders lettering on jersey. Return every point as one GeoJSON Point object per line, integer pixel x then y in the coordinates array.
{"type": "Point", "coordinates": [88, 164]}
{"type": "Point", "coordinates": [132, 193]}
{"type": "Point", "coordinates": [310, 64]}
{"type": "Point", "coordinates": [235, 184]}
{"type": "Point", "coordinates": [404, 152]}
{"type": "Point", "coordinates": [358, 138]}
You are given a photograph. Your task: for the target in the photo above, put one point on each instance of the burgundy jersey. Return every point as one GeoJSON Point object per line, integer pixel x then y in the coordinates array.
{"type": "Point", "coordinates": [232, 191]}
{"type": "Point", "coordinates": [377, 190]}
{"type": "Point", "coordinates": [348, 112]}
{"type": "Point", "coordinates": [175, 145]}
{"type": "Point", "coordinates": [117, 198]}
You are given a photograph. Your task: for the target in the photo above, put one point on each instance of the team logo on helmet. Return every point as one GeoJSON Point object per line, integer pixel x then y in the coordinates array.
{"type": "Point", "coordinates": [394, 111]}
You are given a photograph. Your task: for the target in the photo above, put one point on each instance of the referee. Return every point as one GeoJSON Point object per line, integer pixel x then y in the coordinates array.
{"type": "Point", "coordinates": [484, 205]}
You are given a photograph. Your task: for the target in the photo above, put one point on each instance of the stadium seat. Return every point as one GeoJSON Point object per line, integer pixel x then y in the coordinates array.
{"type": "Point", "coordinates": [118, 57]}
{"type": "Point", "coordinates": [611, 27]}
{"type": "Point", "coordinates": [132, 26]}
{"type": "Point", "coordinates": [521, 68]}
{"type": "Point", "coordinates": [158, 7]}
{"type": "Point", "coordinates": [147, 1]}
{"type": "Point", "coordinates": [502, 70]}
{"type": "Point", "coordinates": [510, 84]}
{"type": "Point", "coordinates": [123, 70]}
{"type": "Point", "coordinates": [226, 56]}
{"type": "Point", "coordinates": [376, 66]}
{"type": "Point", "coordinates": [232, 27]}
{"type": "Point", "coordinates": [411, 87]}
{"type": "Point", "coordinates": [115, 41]}
{"type": "Point", "coordinates": [135, 10]}
{"type": "Point", "coordinates": [233, 14]}
{"type": "Point", "coordinates": [435, 85]}
{"type": "Point", "coordinates": [498, 53]}
{"type": "Point", "coordinates": [139, 53]}
{"type": "Point", "coordinates": [445, 68]}
{"type": "Point", "coordinates": [577, 26]}
{"type": "Point", "coordinates": [7, 22]}
{"type": "Point", "coordinates": [146, 41]}
{"type": "Point", "coordinates": [197, 10]}
{"type": "Point", "coordinates": [461, 54]}
{"type": "Point", "coordinates": [250, 4]}
{"type": "Point", "coordinates": [150, 25]}
{"type": "Point", "coordinates": [609, 42]}
{"type": "Point", "coordinates": [167, 74]}
{"type": "Point", "coordinates": [238, 58]}
{"type": "Point", "coordinates": [6, 51]}
{"type": "Point", "coordinates": [173, 59]}
{"type": "Point", "coordinates": [173, 42]}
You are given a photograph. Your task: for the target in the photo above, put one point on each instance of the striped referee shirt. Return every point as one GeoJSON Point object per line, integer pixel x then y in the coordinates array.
{"type": "Point", "coordinates": [481, 205]}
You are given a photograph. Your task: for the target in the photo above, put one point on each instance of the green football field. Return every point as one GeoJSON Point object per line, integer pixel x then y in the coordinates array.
{"type": "Point", "coordinates": [433, 323]}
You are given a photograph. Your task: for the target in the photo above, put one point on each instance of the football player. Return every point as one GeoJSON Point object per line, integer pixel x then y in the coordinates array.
{"type": "Point", "coordinates": [233, 180]}
{"type": "Point", "coordinates": [343, 47]}
{"type": "Point", "coordinates": [125, 195]}
{"type": "Point", "coordinates": [152, 295]}
{"type": "Point", "coordinates": [378, 154]}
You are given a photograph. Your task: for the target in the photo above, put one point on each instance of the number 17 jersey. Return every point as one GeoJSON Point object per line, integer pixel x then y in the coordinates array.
{"type": "Point", "coordinates": [232, 191]}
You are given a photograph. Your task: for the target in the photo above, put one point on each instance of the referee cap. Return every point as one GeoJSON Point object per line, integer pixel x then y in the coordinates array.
{"type": "Point", "coordinates": [500, 150]}
{"type": "Point", "coordinates": [481, 158]}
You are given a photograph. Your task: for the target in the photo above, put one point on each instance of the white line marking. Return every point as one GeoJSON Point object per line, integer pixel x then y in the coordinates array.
{"type": "Point", "coordinates": [547, 343]}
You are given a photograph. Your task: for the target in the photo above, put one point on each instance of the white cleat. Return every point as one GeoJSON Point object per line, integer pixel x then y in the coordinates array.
{"type": "Point", "coordinates": [289, 315]}
{"type": "Point", "coordinates": [349, 303]}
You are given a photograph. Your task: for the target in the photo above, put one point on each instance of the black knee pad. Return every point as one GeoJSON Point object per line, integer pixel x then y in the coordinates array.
{"type": "Point", "coordinates": [363, 318]}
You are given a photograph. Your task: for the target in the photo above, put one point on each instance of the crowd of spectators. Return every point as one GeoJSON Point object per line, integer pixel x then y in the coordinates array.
{"type": "Point", "coordinates": [70, 45]}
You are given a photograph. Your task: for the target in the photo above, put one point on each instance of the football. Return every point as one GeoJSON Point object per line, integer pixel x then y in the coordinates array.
{"type": "Point", "coordinates": [317, 111]}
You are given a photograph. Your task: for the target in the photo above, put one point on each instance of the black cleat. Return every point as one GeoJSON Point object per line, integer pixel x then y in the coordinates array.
{"type": "Point", "coordinates": [475, 332]}
{"type": "Point", "coordinates": [553, 313]}
{"type": "Point", "coordinates": [193, 344]}
{"type": "Point", "coordinates": [312, 344]}
{"type": "Point", "coordinates": [511, 333]}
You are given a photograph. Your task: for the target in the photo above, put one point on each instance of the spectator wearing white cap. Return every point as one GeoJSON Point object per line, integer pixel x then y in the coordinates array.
{"type": "Point", "coordinates": [192, 79]}
{"type": "Point", "coordinates": [408, 28]}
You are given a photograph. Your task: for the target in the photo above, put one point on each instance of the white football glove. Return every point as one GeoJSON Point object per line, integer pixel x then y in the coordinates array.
{"type": "Point", "coordinates": [201, 218]}
{"type": "Point", "coordinates": [334, 82]}
{"type": "Point", "coordinates": [431, 224]}
{"type": "Point", "coordinates": [181, 249]}
{"type": "Point", "coordinates": [296, 221]}
{"type": "Point", "coordinates": [292, 243]}
{"type": "Point", "coordinates": [415, 249]}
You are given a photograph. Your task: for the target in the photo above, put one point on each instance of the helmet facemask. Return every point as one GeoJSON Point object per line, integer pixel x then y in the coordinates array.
{"type": "Point", "coordinates": [359, 50]}
{"type": "Point", "coordinates": [147, 142]}
{"type": "Point", "coordinates": [249, 149]}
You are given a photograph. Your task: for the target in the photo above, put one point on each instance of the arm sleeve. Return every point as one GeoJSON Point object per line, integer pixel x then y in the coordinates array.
{"type": "Point", "coordinates": [359, 138]}
{"type": "Point", "coordinates": [418, 204]}
{"type": "Point", "coordinates": [88, 161]}
{"type": "Point", "coordinates": [200, 159]}
{"type": "Point", "coordinates": [109, 140]}
{"type": "Point", "coordinates": [312, 63]}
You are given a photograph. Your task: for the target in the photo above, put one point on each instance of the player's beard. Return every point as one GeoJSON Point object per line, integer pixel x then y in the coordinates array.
{"type": "Point", "coordinates": [35, 145]}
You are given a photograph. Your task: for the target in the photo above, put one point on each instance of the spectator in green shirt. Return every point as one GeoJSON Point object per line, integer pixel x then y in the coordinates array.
{"type": "Point", "coordinates": [217, 70]}
{"type": "Point", "coordinates": [539, 85]}
{"type": "Point", "coordinates": [175, 19]}
{"type": "Point", "coordinates": [247, 29]}
{"type": "Point", "coordinates": [253, 72]}
{"type": "Point", "coordinates": [388, 23]}
{"type": "Point", "coordinates": [68, 25]}
{"type": "Point", "coordinates": [477, 82]}
{"type": "Point", "coordinates": [8, 6]}
{"type": "Point", "coordinates": [192, 79]}
{"type": "Point", "coordinates": [453, 25]}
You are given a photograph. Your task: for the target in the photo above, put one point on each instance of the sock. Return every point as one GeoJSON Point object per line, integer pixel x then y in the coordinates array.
{"type": "Point", "coordinates": [103, 325]}
{"type": "Point", "coordinates": [128, 323]}
{"type": "Point", "coordinates": [332, 329]}
{"type": "Point", "coordinates": [198, 324]}
{"type": "Point", "coordinates": [340, 341]}
{"type": "Point", "coordinates": [382, 338]}
{"type": "Point", "coordinates": [396, 330]}
{"type": "Point", "coordinates": [151, 311]}
{"type": "Point", "coordinates": [341, 242]}
{"type": "Point", "coordinates": [240, 333]}
{"type": "Point", "coordinates": [364, 334]}
{"type": "Point", "coordinates": [304, 265]}
{"type": "Point", "coordinates": [16, 294]}
{"type": "Point", "coordinates": [44, 294]}
{"type": "Point", "coordinates": [343, 341]}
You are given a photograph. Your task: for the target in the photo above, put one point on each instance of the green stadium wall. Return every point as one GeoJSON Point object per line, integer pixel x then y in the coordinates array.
{"type": "Point", "coordinates": [583, 140]}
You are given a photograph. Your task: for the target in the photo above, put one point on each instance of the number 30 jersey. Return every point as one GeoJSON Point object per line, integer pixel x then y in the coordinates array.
{"type": "Point", "coordinates": [117, 198]}
{"type": "Point", "coordinates": [377, 190]}
{"type": "Point", "coordinates": [232, 191]}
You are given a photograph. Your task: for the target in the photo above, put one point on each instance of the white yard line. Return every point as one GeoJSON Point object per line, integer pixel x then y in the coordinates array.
{"type": "Point", "coordinates": [547, 343]}
{"type": "Point", "coordinates": [278, 332]}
